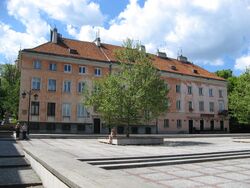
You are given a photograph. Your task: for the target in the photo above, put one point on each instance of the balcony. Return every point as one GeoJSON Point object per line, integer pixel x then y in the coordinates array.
{"type": "Point", "coordinates": [223, 112]}
{"type": "Point", "coordinates": [190, 109]}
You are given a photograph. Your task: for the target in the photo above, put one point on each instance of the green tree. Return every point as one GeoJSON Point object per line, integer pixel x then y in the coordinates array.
{"type": "Point", "coordinates": [239, 98]}
{"type": "Point", "coordinates": [10, 85]}
{"type": "Point", "coordinates": [228, 75]}
{"type": "Point", "coordinates": [134, 94]}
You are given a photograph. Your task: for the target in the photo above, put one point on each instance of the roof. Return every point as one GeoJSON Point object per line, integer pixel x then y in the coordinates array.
{"type": "Point", "coordinates": [105, 53]}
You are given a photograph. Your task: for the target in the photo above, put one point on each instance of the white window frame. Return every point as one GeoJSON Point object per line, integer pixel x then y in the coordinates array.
{"type": "Point", "coordinates": [210, 92]}
{"type": "Point", "coordinates": [67, 86]}
{"type": "Point", "coordinates": [51, 87]}
{"type": "Point", "coordinates": [211, 106]}
{"type": "Point", "coordinates": [200, 91]}
{"type": "Point", "coordinates": [36, 83]}
{"type": "Point", "coordinates": [220, 93]}
{"type": "Point", "coordinates": [178, 88]}
{"type": "Point", "coordinates": [67, 66]}
{"type": "Point", "coordinates": [81, 68]}
{"type": "Point", "coordinates": [190, 92]}
{"type": "Point", "coordinates": [82, 111]}
{"type": "Point", "coordinates": [178, 104]}
{"type": "Point", "coordinates": [201, 107]}
{"type": "Point", "coordinates": [52, 66]}
{"type": "Point", "coordinates": [221, 106]}
{"type": "Point", "coordinates": [81, 87]}
{"type": "Point", "coordinates": [98, 71]}
{"type": "Point", "coordinates": [166, 123]}
{"type": "Point", "coordinates": [37, 64]}
{"type": "Point", "coordinates": [66, 109]}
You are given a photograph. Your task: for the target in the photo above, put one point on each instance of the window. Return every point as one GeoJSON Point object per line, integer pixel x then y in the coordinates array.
{"type": "Point", "coordinates": [36, 83]}
{"type": "Point", "coordinates": [37, 64]}
{"type": "Point", "coordinates": [82, 70]}
{"type": "Point", "coordinates": [81, 86]}
{"type": "Point", "coordinates": [221, 106]}
{"type": "Point", "coordinates": [67, 86]}
{"type": "Point", "coordinates": [66, 110]}
{"type": "Point", "coordinates": [82, 111]}
{"type": "Point", "coordinates": [35, 108]}
{"type": "Point", "coordinates": [52, 66]}
{"type": "Point", "coordinates": [98, 72]}
{"type": "Point", "coordinates": [211, 106]}
{"type": "Point", "coordinates": [201, 105]}
{"type": "Point", "coordinates": [200, 91]}
{"type": "Point", "coordinates": [220, 93]}
{"type": "Point", "coordinates": [190, 105]}
{"type": "Point", "coordinates": [51, 109]}
{"type": "Point", "coordinates": [179, 123]}
{"type": "Point", "coordinates": [178, 105]}
{"type": "Point", "coordinates": [67, 68]}
{"type": "Point", "coordinates": [166, 123]}
{"type": "Point", "coordinates": [52, 85]}
{"type": "Point", "coordinates": [189, 90]}
{"type": "Point", "coordinates": [210, 92]}
{"type": "Point", "coordinates": [178, 88]}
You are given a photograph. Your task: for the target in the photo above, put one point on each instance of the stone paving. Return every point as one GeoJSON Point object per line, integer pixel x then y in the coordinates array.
{"type": "Point", "coordinates": [15, 171]}
{"type": "Point", "coordinates": [227, 173]}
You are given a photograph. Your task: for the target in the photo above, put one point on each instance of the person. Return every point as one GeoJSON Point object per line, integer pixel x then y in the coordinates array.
{"type": "Point", "coordinates": [24, 131]}
{"type": "Point", "coordinates": [17, 128]}
{"type": "Point", "coordinates": [112, 135]}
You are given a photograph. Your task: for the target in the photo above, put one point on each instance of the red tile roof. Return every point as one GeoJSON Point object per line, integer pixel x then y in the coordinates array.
{"type": "Point", "coordinates": [89, 50]}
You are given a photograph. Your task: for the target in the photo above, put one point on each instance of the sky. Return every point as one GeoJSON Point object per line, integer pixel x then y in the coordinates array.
{"type": "Point", "coordinates": [214, 34]}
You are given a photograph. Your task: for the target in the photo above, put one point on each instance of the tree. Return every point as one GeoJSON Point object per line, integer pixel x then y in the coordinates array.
{"type": "Point", "coordinates": [9, 88]}
{"type": "Point", "coordinates": [239, 98]}
{"type": "Point", "coordinates": [135, 94]}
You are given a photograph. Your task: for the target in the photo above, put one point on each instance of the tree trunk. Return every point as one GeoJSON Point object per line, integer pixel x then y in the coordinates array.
{"type": "Point", "coordinates": [127, 131]}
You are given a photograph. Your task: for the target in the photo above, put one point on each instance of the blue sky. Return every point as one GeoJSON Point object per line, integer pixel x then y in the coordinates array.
{"type": "Point", "coordinates": [215, 34]}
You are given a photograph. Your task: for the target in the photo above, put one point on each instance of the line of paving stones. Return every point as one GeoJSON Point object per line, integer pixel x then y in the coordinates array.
{"type": "Point", "coordinates": [15, 170]}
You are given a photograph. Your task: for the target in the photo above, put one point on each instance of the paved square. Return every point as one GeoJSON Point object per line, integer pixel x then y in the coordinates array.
{"type": "Point", "coordinates": [223, 173]}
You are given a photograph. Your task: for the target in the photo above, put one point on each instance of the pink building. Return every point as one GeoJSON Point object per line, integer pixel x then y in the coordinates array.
{"type": "Point", "coordinates": [59, 71]}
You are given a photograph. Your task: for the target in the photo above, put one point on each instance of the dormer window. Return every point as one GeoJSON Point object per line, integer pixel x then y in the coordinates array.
{"type": "Point", "coordinates": [195, 71]}
{"type": "Point", "coordinates": [72, 51]}
{"type": "Point", "coordinates": [173, 67]}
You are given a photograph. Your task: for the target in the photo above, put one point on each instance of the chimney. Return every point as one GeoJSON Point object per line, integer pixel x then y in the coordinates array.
{"type": "Point", "coordinates": [182, 58]}
{"type": "Point", "coordinates": [53, 35]}
{"type": "Point", "coordinates": [143, 48]}
{"type": "Point", "coordinates": [98, 41]}
{"type": "Point", "coordinates": [161, 54]}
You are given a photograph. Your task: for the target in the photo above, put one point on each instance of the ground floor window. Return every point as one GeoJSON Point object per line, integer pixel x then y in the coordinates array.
{"type": "Point", "coordinates": [50, 126]}
{"type": "Point", "coordinates": [81, 127]}
{"type": "Point", "coordinates": [166, 123]}
{"type": "Point", "coordinates": [179, 123]}
{"type": "Point", "coordinates": [66, 127]}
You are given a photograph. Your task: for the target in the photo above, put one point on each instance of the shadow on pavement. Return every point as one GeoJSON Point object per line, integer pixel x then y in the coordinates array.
{"type": "Point", "coordinates": [183, 143]}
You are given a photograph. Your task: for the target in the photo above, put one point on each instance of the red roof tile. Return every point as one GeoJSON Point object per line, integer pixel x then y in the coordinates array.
{"type": "Point", "coordinates": [89, 50]}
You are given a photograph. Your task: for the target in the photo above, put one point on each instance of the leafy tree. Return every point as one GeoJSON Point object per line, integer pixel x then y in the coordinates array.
{"type": "Point", "coordinates": [239, 98]}
{"type": "Point", "coordinates": [135, 94]}
{"type": "Point", "coordinates": [9, 88]}
{"type": "Point", "coordinates": [224, 73]}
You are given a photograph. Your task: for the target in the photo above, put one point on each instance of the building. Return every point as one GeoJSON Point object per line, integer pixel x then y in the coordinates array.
{"type": "Point", "coordinates": [59, 70]}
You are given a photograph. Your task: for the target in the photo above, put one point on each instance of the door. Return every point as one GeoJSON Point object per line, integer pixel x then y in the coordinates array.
{"type": "Point", "coordinates": [201, 125]}
{"type": "Point", "coordinates": [97, 126]}
{"type": "Point", "coordinates": [212, 125]}
{"type": "Point", "coordinates": [148, 130]}
{"type": "Point", "coordinates": [222, 125]}
{"type": "Point", "coordinates": [191, 126]}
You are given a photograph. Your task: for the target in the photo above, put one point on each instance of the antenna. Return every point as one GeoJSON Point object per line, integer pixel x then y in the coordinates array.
{"type": "Point", "coordinates": [98, 33]}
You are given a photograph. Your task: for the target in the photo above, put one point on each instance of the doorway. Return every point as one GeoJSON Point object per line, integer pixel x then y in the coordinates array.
{"type": "Point", "coordinates": [201, 125]}
{"type": "Point", "coordinates": [97, 125]}
{"type": "Point", "coordinates": [212, 125]}
{"type": "Point", "coordinates": [191, 126]}
{"type": "Point", "coordinates": [148, 130]}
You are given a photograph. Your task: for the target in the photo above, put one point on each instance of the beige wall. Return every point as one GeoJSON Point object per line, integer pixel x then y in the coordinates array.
{"type": "Point", "coordinates": [59, 97]}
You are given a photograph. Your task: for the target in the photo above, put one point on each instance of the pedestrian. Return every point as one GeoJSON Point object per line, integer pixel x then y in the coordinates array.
{"type": "Point", "coordinates": [24, 131]}
{"type": "Point", "coordinates": [111, 136]}
{"type": "Point", "coordinates": [17, 128]}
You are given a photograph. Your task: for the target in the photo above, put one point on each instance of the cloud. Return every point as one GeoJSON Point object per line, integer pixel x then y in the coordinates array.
{"type": "Point", "coordinates": [11, 41]}
{"type": "Point", "coordinates": [205, 30]}
{"type": "Point", "coordinates": [242, 63]}
{"type": "Point", "coordinates": [34, 16]}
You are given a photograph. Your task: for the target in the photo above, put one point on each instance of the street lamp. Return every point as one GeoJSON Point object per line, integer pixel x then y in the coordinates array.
{"type": "Point", "coordinates": [29, 93]}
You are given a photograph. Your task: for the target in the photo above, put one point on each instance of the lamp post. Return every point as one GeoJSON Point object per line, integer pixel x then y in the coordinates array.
{"type": "Point", "coordinates": [29, 93]}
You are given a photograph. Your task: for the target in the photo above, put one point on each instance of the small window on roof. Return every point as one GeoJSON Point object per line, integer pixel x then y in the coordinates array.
{"type": "Point", "coordinates": [195, 71]}
{"type": "Point", "coordinates": [173, 67]}
{"type": "Point", "coordinates": [72, 51]}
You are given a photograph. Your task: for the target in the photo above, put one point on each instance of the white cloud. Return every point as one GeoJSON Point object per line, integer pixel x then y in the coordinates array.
{"type": "Point", "coordinates": [242, 63]}
{"type": "Point", "coordinates": [33, 15]}
{"type": "Point", "coordinates": [205, 30]}
{"type": "Point", "coordinates": [11, 41]}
